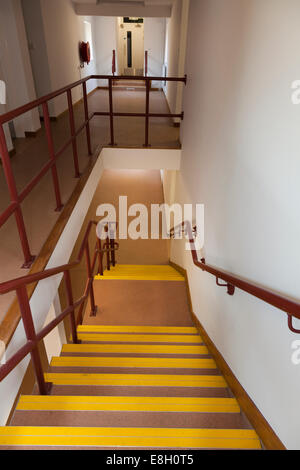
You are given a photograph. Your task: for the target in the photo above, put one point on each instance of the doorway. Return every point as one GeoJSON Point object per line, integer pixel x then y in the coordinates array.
{"type": "Point", "coordinates": [131, 46]}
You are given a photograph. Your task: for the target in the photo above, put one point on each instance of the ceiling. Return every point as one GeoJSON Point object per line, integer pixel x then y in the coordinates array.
{"type": "Point", "coordinates": [143, 8]}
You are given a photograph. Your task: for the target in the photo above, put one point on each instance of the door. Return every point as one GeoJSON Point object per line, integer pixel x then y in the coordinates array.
{"type": "Point", "coordinates": [131, 46]}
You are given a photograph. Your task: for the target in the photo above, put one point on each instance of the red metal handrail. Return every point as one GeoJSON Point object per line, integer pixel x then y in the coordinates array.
{"type": "Point", "coordinates": [291, 307]}
{"type": "Point", "coordinates": [16, 198]}
{"type": "Point", "coordinates": [19, 286]}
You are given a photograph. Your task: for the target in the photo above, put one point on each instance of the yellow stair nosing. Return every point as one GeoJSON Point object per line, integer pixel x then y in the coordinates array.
{"type": "Point", "coordinates": [135, 362]}
{"type": "Point", "coordinates": [142, 272]}
{"type": "Point", "coordinates": [135, 349]}
{"type": "Point", "coordinates": [137, 338]}
{"type": "Point", "coordinates": [129, 437]}
{"type": "Point", "coordinates": [127, 399]}
{"type": "Point", "coordinates": [124, 431]}
{"type": "Point", "coordinates": [137, 329]}
{"type": "Point", "coordinates": [137, 380]}
{"type": "Point", "coordinates": [137, 278]}
{"type": "Point", "coordinates": [146, 404]}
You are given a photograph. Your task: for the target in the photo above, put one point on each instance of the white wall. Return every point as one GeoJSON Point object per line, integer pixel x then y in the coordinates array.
{"type": "Point", "coordinates": [37, 46]}
{"type": "Point", "coordinates": [241, 147]}
{"type": "Point", "coordinates": [141, 159]}
{"type": "Point", "coordinates": [105, 43]}
{"type": "Point", "coordinates": [56, 338]}
{"type": "Point", "coordinates": [15, 65]}
{"type": "Point", "coordinates": [176, 37]}
{"type": "Point", "coordinates": [154, 43]}
{"type": "Point", "coordinates": [54, 32]}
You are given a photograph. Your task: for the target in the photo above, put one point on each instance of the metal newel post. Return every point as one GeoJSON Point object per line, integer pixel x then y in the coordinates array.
{"type": "Point", "coordinates": [146, 63]}
{"type": "Point", "coordinates": [91, 278]}
{"type": "Point", "coordinates": [12, 188]}
{"type": "Point", "coordinates": [113, 254]}
{"type": "Point", "coordinates": [25, 310]}
{"type": "Point", "coordinates": [68, 285]}
{"type": "Point", "coordinates": [73, 134]}
{"type": "Point", "coordinates": [107, 246]}
{"type": "Point", "coordinates": [100, 267]}
{"type": "Point", "coordinates": [147, 112]}
{"type": "Point", "coordinates": [86, 113]}
{"type": "Point", "coordinates": [111, 115]}
{"type": "Point", "coordinates": [59, 204]}
{"type": "Point", "coordinates": [114, 62]}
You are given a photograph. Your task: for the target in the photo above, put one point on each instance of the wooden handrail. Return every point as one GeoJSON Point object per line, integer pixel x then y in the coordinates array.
{"type": "Point", "coordinates": [287, 305]}
{"type": "Point", "coordinates": [20, 286]}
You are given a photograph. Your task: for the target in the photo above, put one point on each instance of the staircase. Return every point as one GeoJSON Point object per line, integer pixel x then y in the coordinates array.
{"type": "Point", "coordinates": [131, 387]}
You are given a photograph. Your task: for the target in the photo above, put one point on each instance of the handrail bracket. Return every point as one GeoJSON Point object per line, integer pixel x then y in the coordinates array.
{"type": "Point", "coordinates": [291, 326]}
{"type": "Point", "coordinates": [230, 287]}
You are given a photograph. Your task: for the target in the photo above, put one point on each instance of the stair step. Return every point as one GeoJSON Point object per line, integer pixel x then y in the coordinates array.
{"type": "Point", "coordinates": [130, 419]}
{"type": "Point", "coordinates": [146, 404]}
{"type": "Point", "coordinates": [134, 349]}
{"type": "Point", "coordinates": [137, 329]}
{"type": "Point", "coordinates": [140, 362]}
{"type": "Point", "coordinates": [136, 338]}
{"type": "Point", "coordinates": [142, 273]}
{"type": "Point", "coordinates": [129, 437]}
{"type": "Point", "coordinates": [131, 390]}
{"type": "Point", "coordinates": [140, 380]}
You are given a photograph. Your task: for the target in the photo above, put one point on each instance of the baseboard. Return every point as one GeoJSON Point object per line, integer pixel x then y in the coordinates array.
{"type": "Point", "coordinates": [267, 435]}
{"type": "Point", "coordinates": [30, 134]}
{"type": "Point", "coordinates": [52, 118]}
{"type": "Point", "coordinates": [183, 272]}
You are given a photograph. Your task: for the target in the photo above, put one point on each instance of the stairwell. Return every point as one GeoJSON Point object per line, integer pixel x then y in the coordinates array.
{"type": "Point", "coordinates": [131, 387]}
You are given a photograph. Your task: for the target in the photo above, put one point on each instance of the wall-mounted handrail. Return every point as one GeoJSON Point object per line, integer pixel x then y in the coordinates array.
{"type": "Point", "coordinates": [19, 285]}
{"type": "Point", "coordinates": [16, 198]}
{"type": "Point", "coordinates": [291, 307]}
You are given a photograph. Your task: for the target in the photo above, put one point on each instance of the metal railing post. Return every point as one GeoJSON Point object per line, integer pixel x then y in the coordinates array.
{"type": "Point", "coordinates": [73, 134]}
{"type": "Point", "coordinates": [68, 285]}
{"type": "Point", "coordinates": [146, 63]}
{"type": "Point", "coordinates": [91, 278]}
{"type": "Point", "coordinates": [113, 254]}
{"type": "Point", "coordinates": [86, 113]}
{"type": "Point", "coordinates": [59, 204]}
{"type": "Point", "coordinates": [44, 387]}
{"type": "Point", "coordinates": [107, 246]}
{"type": "Point", "coordinates": [111, 115]}
{"type": "Point", "coordinates": [114, 62]}
{"type": "Point", "coordinates": [12, 188]}
{"type": "Point", "coordinates": [100, 257]}
{"type": "Point", "coordinates": [147, 113]}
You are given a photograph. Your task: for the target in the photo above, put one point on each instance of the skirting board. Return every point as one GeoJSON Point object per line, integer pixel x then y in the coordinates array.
{"type": "Point", "coordinates": [267, 435]}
